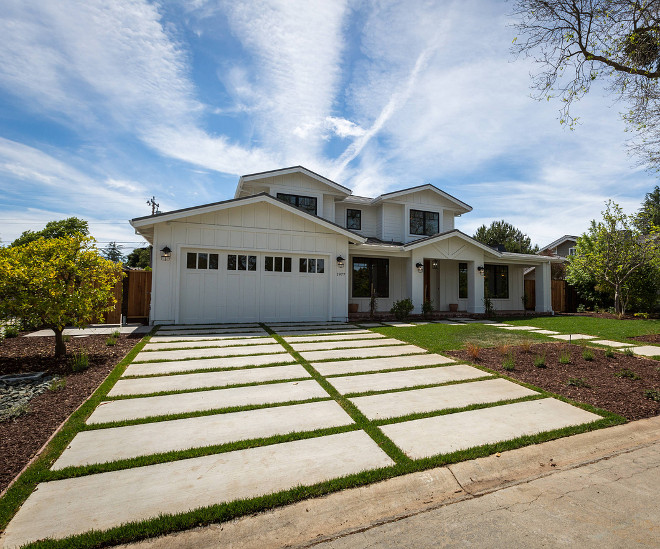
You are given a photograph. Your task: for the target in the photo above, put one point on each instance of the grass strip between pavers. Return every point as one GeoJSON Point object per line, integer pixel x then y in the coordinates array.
{"type": "Point", "coordinates": [151, 361]}
{"type": "Point", "coordinates": [28, 480]}
{"type": "Point", "coordinates": [209, 369]}
{"type": "Point", "coordinates": [355, 394]}
{"type": "Point", "coordinates": [227, 511]}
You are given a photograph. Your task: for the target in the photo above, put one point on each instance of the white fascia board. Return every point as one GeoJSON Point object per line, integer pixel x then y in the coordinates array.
{"type": "Point", "coordinates": [263, 197]}
{"type": "Point", "coordinates": [462, 206]}
{"type": "Point", "coordinates": [455, 233]}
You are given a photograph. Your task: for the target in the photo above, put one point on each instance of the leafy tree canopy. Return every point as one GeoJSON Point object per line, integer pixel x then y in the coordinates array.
{"type": "Point", "coordinates": [614, 253]}
{"type": "Point", "coordinates": [649, 214]}
{"type": "Point", "coordinates": [56, 282]}
{"type": "Point", "coordinates": [139, 258]}
{"type": "Point", "coordinates": [55, 229]}
{"type": "Point", "coordinates": [578, 42]}
{"type": "Point", "coordinates": [501, 232]}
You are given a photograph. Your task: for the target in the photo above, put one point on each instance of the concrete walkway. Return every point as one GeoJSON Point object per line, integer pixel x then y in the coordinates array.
{"type": "Point", "coordinates": [595, 490]}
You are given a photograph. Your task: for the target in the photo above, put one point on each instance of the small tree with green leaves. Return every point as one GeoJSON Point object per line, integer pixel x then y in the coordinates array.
{"type": "Point", "coordinates": [649, 213]}
{"type": "Point", "coordinates": [70, 226]}
{"type": "Point", "coordinates": [612, 252]}
{"type": "Point", "coordinates": [139, 258]}
{"type": "Point", "coordinates": [113, 253]}
{"type": "Point", "coordinates": [57, 282]}
{"type": "Point", "coordinates": [501, 232]}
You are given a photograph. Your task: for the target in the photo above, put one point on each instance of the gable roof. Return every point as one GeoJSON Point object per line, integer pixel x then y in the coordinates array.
{"type": "Point", "coordinates": [449, 234]}
{"type": "Point", "coordinates": [293, 169]}
{"type": "Point", "coordinates": [559, 241]}
{"type": "Point", "coordinates": [147, 222]}
{"type": "Point", "coordinates": [426, 187]}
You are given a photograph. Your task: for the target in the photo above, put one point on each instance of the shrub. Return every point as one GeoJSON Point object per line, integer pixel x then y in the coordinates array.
{"type": "Point", "coordinates": [611, 310]}
{"type": "Point", "coordinates": [116, 334]}
{"type": "Point", "coordinates": [645, 316]}
{"type": "Point", "coordinates": [587, 354]}
{"type": "Point", "coordinates": [627, 374]}
{"type": "Point", "coordinates": [79, 361]}
{"type": "Point", "coordinates": [489, 308]}
{"type": "Point", "coordinates": [57, 384]}
{"type": "Point", "coordinates": [526, 346]}
{"type": "Point", "coordinates": [581, 308]}
{"type": "Point", "coordinates": [565, 357]}
{"type": "Point", "coordinates": [427, 307]}
{"type": "Point", "coordinates": [628, 352]}
{"type": "Point", "coordinates": [111, 341]}
{"type": "Point", "coordinates": [539, 361]}
{"type": "Point", "coordinates": [577, 382]}
{"type": "Point", "coordinates": [473, 351]}
{"type": "Point", "coordinates": [504, 349]}
{"type": "Point", "coordinates": [609, 353]}
{"type": "Point", "coordinates": [652, 394]}
{"type": "Point", "coordinates": [66, 338]}
{"type": "Point", "coordinates": [402, 308]}
{"type": "Point", "coordinates": [509, 363]}
{"type": "Point", "coordinates": [11, 331]}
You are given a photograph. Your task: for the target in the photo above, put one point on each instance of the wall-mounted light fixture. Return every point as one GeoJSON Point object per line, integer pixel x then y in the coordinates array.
{"type": "Point", "coordinates": [435, 264]}
{"type": "Point", "coordinates": [165, 254]}
{"type": "Point", "coordinates": [340, 262]}
{"type": "Point", "coordinates": [481, 270]}
{"type": "Point", "coordinates": [420, 267]}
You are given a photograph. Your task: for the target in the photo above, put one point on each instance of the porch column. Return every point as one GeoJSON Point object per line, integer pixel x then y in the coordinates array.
{"type": "Point", "coordinates": [475, 289]}
{"type": "Point", "coordinates": [543, 288]}
{"type": "Point", "coordinates": [415, 284]}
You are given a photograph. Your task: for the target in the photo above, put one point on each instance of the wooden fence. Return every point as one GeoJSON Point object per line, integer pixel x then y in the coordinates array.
{"type": "Point", "coordinates": [133, 298]}
{"type": "Point", "coordinates": [564, 296]}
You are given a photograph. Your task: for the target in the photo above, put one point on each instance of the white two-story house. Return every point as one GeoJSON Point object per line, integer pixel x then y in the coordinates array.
{"type": "Point", "coordinates": [295, 246]}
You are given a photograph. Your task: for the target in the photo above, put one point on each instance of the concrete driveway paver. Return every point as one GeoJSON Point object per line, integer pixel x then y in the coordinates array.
{"type": "Point", "coordinates": [402, 403]}
{"type": "Point", "coordinates": [352, 332]}
{"type": "Point", "coordinates": [274, 347]}
{"type": "Point", "coordinates": [571, 337]}
{"type": "Point", "coordinates": [523, 328]}
{"type": "Point", "coordinates": [304, 327]}
{"type": "Point", "coordinates": [66, 507]}
{"type": "Point", "coordinates": [210, 331]}
{"type": "Point", "coordinates": [362, 353]}
{"type": "Point", "coordinates": [610, 343]}
{"type": "Point", "coordinates": [136, 408]}
{"type": "Point", "coordinates": [399, 324]}
{"type": "Point", "coordinates": [340, 337]}
{"type": "Point", "coordinates": [184, 382]}
{"type": "Point", "coordinates": [105, 445]}
{"type": "Point", "coordinates": [544, 332]}
{"type": "Point", "coordinates": [375, 364]}
{"type": "Point", "coordinates": [404, 378]}
{"type": "Point", "coordinates": [647, 350]}
{"type": "Point", "coordinates": [321, 345]}
{"type": "Point", "coordinates": [164, 346]}
{"type": "Point", "coordinates": [207, 337]}
{"type": "Point", "coordinates": [444, 434]}
{"type": "Point", "coordinates": [179, 366]}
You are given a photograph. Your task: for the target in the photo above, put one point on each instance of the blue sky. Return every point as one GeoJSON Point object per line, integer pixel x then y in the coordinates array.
{"type": "Point", "coordinates": [104, 104]}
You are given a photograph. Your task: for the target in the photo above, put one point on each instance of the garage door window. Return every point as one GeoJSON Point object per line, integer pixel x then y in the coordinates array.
{"type": "Point", "coordinates": [311, 265]}
{"type": "Point", "coordinates": [201, 261]}
{"type": "Point", "coordinates": [241, 262]}
{"type": "Point", "coordinates": [277, 264]}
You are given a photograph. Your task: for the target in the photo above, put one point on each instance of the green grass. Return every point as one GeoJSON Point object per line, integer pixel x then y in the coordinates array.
{"type": "Point", "coordinates": [439, 338]}
{"type": "Point", "coordinates": [604, 328]}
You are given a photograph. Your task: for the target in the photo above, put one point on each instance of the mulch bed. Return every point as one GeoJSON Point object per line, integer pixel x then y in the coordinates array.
{"type": "Point", "coordinates": [22, 437]}
{"type": "Point", "coordinates": [648, 338]}
{"type": "Point", "coordinates": [622, 396]}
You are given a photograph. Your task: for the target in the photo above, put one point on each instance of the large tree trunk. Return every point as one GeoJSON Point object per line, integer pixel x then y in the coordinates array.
{"type": "Point", "coordinates": [617, 300]}
{"type": "Point", "coordinates": [60, 347]}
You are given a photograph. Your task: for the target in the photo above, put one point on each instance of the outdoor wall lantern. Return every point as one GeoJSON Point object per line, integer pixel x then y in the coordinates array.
{"type": "Point", "coordinates": [340, 262]}
{"type": "Point", "coordinates": [420, 267]}
{"type": "Point", "coordinates": [165, 254]}
{"type": "Point", "coordinates": [434, 264]}
{"type": "Point", "coordinates": [481, 270]}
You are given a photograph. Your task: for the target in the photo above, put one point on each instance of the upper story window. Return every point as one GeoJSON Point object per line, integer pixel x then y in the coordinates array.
{"type": "Point", "coordinates": [571, 251]}
{"type": "Point", "coordinates": [305, 203]}
{"type": "Point", "coordinates": [354, 219]}
{"type": "Point", "coordinates": [424, 223]}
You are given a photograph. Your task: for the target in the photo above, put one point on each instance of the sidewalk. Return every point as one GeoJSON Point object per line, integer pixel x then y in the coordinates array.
{"type": "Point", "coordinates": [597, 489]}
{"type": "Point", "coordinates": [96, 329]}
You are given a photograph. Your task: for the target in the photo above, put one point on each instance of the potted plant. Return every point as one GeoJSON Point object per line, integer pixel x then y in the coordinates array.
{"type": "Point", "coordinates": [453, 307]}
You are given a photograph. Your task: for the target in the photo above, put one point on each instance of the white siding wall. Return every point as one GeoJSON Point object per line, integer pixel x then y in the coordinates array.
{"type": "Point", "coordinates": [447, 221]}
{"type": "Point", "coordinates": [258, 227]}
{"type": "Point", "coordinates": [370, 218]}
{"type": "Point", "coordinates": [394, 221]}
{"type": "Point", "coordinates": [516, 290]}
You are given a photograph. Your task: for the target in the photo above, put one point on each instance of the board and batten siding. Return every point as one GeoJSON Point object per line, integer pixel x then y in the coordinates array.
{"type": "Point", "coordinates": [370, 220]}
{"type": "Point", "coordinates": [259, 227]}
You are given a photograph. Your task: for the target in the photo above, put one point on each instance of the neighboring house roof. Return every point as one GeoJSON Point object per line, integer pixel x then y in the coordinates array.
{"type": "Point", "coordinates": [560, 241]}
{"type": "Point", "coordinates": [143, 225]}
{"type": "Point", "coordinates": [292, 169]}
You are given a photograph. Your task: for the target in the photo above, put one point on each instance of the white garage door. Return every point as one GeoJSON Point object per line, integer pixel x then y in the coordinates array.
{"type": "Point", "coordinates": [221, 286]}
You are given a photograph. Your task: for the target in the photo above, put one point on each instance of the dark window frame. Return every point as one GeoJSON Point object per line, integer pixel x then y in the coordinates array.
{"type": "Point", "coordinates": [376, 276]}
{"type": "Point", "coordinates": [354, 222]}
{"type": "Point", "coordinates": [426, 218]}
{"type": "Point", "coordinates": [295, 199]}
{"type": "Point", "coordinates": [463, 290]}
{"type": "Point", "coordinates": [496, 286]}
